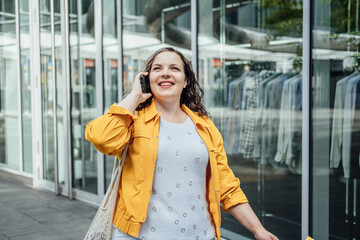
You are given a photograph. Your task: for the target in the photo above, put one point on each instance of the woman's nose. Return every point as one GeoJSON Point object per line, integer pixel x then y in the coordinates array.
{"type": "Point", "coordinates": [165, 72]}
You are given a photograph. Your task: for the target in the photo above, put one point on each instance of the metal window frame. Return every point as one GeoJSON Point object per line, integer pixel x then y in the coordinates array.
{"type": "Point", "coordinates": [99, 79]}
{"type": "Point", "coordinates": [36, 93]}
{"type": "Point", "coordinates": [20, 105]}
{"type": "Point", "coordinates": [67, 86]}
{"type": "Point", "coordinates": [306, 123]}
{"type": "Point", "coordinates": [56, 169]}
{"type": "Point", "coordinates": [120, 47]}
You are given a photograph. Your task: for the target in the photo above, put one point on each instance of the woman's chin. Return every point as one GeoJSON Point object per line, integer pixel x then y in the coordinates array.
{"type": "Point", "coordinates": [166, 97]}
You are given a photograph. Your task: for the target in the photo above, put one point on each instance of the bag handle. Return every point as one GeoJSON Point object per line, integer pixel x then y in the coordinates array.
{"type": "Point", "coordinates": [115, 176]}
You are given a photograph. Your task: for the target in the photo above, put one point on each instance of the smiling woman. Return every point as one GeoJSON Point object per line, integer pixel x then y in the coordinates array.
{"type": "Point", "coordinates": [175, 153]}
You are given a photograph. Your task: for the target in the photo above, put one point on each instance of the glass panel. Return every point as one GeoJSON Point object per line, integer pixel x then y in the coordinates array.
{"type": "Point", "coordinates": [144, 32]}
{"type": "Point", "coordinates": [111, 53]}
{"type": "Point", "coordinates": [9, 88]}
{"type": "Point", "coordinates": [335, 120]}
{"type": "Point", "coordinates": [250, 69]}
{"type": "Point", "coordinates": [26, 85]}
{"type": "Point", "coordinates": [83, 106]}
{"type": "Point", "coordinates": [47, 85]}
{"type": "Point", "coordinates": [60, 96]}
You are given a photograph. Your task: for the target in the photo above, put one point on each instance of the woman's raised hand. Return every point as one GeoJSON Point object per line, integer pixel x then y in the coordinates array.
{"type": "Point", "coordinates": [136, 89]}
{"type": "Point", "coordinates": [136, 95]}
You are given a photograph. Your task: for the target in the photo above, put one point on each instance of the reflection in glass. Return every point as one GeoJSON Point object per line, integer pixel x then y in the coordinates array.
{"type": "Point", "coordinates": [83, 106]}
{"type": "Point", "coordinates": [250, 70]}
{"type": "Point", "coordinates": [26, 85]}
{"type": "Point", "coordinates": [47, 85]}
{"type": "Point", "coordinates": [148, 27]}
{"type": "Point", "coordinates": [335, 120]}
{"type": "Point", "coordinates": [9, 105]}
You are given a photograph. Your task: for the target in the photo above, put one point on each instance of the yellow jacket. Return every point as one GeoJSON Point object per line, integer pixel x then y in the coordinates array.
{"type": "Point", "coordinates": [110, 133]}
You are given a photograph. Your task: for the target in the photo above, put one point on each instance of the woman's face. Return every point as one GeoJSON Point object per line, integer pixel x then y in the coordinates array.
{"type": "Point", "coordinates": [167, 77]}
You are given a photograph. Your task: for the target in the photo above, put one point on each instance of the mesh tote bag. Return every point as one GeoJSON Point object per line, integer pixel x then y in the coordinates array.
{"type": "Point", "coordinates": [101, 226]}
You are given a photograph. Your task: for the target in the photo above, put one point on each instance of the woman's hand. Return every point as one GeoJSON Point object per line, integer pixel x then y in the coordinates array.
{"type": "Point", "coordinates": [136, 91]}
{"type": "Point", "coordinates": [136, 96]}
{"type": "Point", "coordinates": [262, 234]}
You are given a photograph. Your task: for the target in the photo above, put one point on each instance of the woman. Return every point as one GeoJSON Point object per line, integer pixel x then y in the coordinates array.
{"type": "Point", "coordinates": [175, 174]}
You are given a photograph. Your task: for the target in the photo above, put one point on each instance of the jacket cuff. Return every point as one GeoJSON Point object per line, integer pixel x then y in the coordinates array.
{"type": "Point", "coordinates": [117, 110]}
{"type": "Point", "coordinates": [237, 198]}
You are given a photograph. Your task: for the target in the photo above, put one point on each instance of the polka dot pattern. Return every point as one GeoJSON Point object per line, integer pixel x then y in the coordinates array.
{"type": "Point", "coordinates": [178, 203]}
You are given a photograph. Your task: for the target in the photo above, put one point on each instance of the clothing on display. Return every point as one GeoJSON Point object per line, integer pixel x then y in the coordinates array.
{"type": "Point", "coordinates": [264, 110]}
{"type": "Point", "coordinates": [345, 138]}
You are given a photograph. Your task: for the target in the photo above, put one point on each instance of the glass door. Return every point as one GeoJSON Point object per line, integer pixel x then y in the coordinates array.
{"type": "Point", "coordinates": [52, 100]}
{"type": "Point", "coordinates": [47, 97]}
{"type": "Point", "coordinates": [83, 94]}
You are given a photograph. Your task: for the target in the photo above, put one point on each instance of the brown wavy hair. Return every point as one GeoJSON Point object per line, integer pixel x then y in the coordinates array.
{"type": "Point", "coordinates": [191, 95]}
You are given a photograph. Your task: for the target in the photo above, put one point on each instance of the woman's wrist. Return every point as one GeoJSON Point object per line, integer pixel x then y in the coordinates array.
{"type": "Point", "coordinates": [131, 101]}
{"type": "Point", "coordinates": [135, 97]}
{"type": "Point", "coordinates": [256, 230]}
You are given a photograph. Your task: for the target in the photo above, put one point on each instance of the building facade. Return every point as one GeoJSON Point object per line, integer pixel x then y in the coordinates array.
{"type": "Point", "coordinates": [280, 79]}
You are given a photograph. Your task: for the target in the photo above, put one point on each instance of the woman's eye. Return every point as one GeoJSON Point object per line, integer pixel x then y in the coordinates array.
{"type": "Point", "coordinates": [176, 68]}
{"type": "Point", "coordinates": [156, 68]}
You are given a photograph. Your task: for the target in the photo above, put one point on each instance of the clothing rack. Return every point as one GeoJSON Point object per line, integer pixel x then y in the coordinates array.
{"type": "Point", "coordinates": [261, 187]}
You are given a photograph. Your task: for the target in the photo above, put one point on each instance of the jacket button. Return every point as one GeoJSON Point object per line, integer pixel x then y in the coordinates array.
{"type": "Point", "coordinates": [156, 137]}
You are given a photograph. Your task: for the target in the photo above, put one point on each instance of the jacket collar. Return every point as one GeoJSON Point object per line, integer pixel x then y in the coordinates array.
{"type": "Point", "coordinates": [151, 111]}
{"type": "Point", "coordinates": [194, 116]}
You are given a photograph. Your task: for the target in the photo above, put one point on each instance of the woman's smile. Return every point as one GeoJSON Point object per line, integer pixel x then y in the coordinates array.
{"type": "Point", "coordinates": [166, 84]}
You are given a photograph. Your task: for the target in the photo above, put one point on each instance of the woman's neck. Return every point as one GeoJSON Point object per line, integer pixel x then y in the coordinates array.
{"type": "Point", "coordinates": [171, 112]}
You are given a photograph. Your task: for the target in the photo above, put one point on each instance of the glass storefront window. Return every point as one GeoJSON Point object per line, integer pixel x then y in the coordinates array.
{"type": "Point", "coordinates": [26, 85]}
{"type": "Point", "coordinates": [47, 96]}
{"type": "Point", "coordinates": [335, 120]}
{"type": "Point", "coordinates": [250, 69]}
{"type": "Point", "coordinates": [83, 85]}
{"type": "Point", "coordinates": [9, 94]}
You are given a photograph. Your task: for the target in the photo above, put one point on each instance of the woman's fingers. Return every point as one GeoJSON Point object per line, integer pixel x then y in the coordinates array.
{"type": "Point", "coordinates": [137, 90]}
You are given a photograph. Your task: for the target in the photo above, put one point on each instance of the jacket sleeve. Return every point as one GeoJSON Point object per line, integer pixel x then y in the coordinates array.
{"type": "Point", "coordinates": [231, 193]}
{"type": "Point", "coordinates": [110, 132]}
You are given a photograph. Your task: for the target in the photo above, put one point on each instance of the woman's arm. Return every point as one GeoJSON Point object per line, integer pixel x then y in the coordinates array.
{"type": "Point", "coordinates": [232, 197]}
{"type": "Point", "coordinates": [246, 216]}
